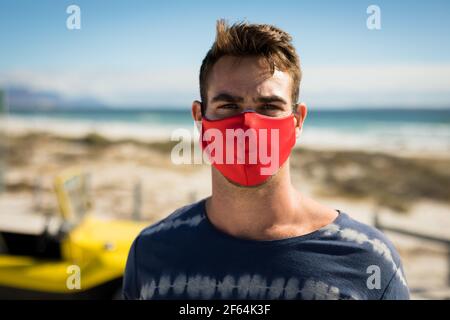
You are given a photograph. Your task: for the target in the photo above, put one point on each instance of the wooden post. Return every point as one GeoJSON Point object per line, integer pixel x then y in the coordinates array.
{"type": "Point", "coordinates": [3, 146]}
{"type": "Point", "coordinates": [137, 200]}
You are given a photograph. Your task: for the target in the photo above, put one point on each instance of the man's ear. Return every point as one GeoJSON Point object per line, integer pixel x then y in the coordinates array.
{"type": "Point", "coordinates": [300, 115]}
{"type": "Point", "coordinates": [196, 110]}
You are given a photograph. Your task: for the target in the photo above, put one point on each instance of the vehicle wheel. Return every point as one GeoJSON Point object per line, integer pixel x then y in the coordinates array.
{"type": "Point", "coordinates": [118, 295]}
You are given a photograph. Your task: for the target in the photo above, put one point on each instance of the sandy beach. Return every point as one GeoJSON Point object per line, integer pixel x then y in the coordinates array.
{"type": "Point", "coordinates": [408, 191]}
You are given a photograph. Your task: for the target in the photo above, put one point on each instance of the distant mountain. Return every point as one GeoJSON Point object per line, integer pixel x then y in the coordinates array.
{"type": "Point", "coordinates": [21, 98]}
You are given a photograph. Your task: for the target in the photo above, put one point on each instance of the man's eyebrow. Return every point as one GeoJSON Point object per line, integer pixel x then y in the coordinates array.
{"type": "Point", "coordinates": [224, 96]}
{"type": "Point", "coordinates": [269, 99]}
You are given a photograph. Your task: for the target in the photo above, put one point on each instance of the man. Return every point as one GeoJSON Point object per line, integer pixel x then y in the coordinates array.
{"type": "Point", "coordinates": [256, 237]}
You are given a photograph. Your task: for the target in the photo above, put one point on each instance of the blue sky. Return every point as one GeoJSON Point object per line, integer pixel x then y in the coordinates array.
{"type": "Point", "coordinates": [147, 53]}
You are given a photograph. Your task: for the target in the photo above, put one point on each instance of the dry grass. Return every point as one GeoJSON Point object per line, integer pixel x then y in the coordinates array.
{"type": "Point", "coordinates": [393, 182]}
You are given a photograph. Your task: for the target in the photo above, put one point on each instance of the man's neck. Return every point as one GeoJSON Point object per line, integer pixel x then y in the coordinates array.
{"type": "Point", "coordinates": [274, 210]}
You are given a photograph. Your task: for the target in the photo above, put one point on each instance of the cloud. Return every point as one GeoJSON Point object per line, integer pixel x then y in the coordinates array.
{"type": "Point", "coordinates": [114, 87]}
{"type": "Point", "coordinates": [377, 85]}
{"type": "Point", "coordinates": [322, 86]}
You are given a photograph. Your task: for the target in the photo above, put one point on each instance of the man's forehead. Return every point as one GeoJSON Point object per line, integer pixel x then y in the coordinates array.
{"type": "Point", "coordinates": [250, 68]}
{"type": "Point", "coordinates": [247, 75]}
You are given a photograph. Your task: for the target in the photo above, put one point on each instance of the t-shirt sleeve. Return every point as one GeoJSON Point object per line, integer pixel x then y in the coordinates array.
{"type": "Point", "coordinates": [396, 288]}
{"type": "Point", "coordinates": [130, 279]}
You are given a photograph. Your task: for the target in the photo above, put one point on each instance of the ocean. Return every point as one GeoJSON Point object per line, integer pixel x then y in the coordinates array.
{"type": "Point", "coordinates": [394, 130]}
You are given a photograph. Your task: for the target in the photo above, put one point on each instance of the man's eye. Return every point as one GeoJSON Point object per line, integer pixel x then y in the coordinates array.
{"type": "Point", "coordinates": [270, 107]}
{"type": "Point", "coordinates": [229, 106]}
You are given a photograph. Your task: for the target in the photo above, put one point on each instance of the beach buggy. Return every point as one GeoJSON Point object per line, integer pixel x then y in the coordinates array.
{"type": "Point", "coordinates": [75, 256]}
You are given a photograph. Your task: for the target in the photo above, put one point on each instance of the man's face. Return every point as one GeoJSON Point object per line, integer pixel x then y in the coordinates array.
{"type": "Point", "coordinates": [237, 84]}
{"type": "Point", "coordinates": [243, 84]}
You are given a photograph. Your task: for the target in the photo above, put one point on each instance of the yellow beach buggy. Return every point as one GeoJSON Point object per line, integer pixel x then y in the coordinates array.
{"type": "Point", "coordinates": [75, 256]}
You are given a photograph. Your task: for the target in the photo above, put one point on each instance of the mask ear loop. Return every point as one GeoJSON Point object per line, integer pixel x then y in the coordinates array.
{"type": "Point", "coordinates": [295, 112]}
{"type": "Point", "coordinates": [202, 108]}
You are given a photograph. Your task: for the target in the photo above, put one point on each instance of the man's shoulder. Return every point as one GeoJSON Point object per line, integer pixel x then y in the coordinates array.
{"type": "Point", "coordinates": [370, 240]}
{"type": "Point", "coordinates": [349, 224]}
{"type": "Point", "coordinates": [184, 218]}
{"type": "Point", "coordinates": [370, 251]}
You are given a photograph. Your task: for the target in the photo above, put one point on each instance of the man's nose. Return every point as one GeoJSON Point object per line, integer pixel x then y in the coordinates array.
{"type": "Point", "coordinates": [248, 119]}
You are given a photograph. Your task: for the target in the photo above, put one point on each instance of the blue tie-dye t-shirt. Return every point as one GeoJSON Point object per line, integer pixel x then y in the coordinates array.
{"type": "Point", "coordinates": [184, 256]}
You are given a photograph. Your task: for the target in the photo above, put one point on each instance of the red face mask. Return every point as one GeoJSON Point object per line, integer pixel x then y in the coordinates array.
{"type": "Point", "coordinates": [248, 148]}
